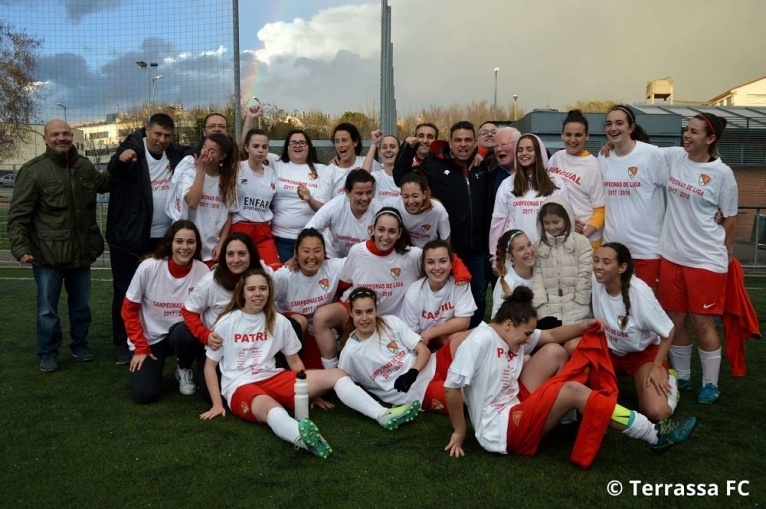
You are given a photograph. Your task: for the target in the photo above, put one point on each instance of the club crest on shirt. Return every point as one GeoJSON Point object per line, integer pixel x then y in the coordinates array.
{"type": "Point", "coordinates": [517, 417]}
{"type": "Point", "coordinates": [426, 228]}
{"type": "Point", "coordinates": [436, 405]}
{"type": "Point", "coordinates": [191, 289]}
{"type": "Point", "coordinates": [392, 347]}
{"type": "Point", "coordinates": [243, 181]}
{"type": "Point", "coordinates": [312, 176]}
{"type": "Point", "coordinates": [369, 230]}
{"type": "Point", "coordinates": [168, 168]}
{"type": "Point", "coordinates": [622, 320]}
{"type": "Point", "coordinates": [704, 180]}
{"type": "Point", "coordinates": [632, 171]}
{"type": "Point", "coordinates": [324, 284]}
{"type": "Point", "coordinates": [273, 187]}
{"type": "Point", "coordinates": [396, 272]}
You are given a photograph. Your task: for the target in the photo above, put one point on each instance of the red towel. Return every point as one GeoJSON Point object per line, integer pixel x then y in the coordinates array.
{"type": "Point", "coordinates": [739, 319]}
{"type": "Point", "coordinates": [591, 365]}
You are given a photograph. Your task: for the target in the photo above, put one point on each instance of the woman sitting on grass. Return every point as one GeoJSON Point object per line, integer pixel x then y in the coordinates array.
{"type": "Point", "coordinates": [152, 311]}
{"type": "Point", "coordinates": [391, 361]}
{"type": "Point", "coordinates": [510, 400]}
{"type": "Point", "coordinates": [256, 390]}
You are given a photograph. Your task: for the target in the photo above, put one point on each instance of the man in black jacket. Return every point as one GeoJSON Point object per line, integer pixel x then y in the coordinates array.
{"type": "Point", "coordinates": [463, 189]}
{"type": "Point", "coordinates": [140, 173]}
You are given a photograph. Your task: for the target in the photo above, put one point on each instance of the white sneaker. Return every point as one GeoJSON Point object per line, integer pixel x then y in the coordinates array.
{"type": "Point", "coordinates": [185, 379]}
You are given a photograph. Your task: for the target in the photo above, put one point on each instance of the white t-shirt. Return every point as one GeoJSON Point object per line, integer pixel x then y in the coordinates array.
{"type": "Point", "coordinates": [338, 175]}
{"type": "Point", "coordinates": [255, 194]}
{"type": "Point", "coordinates": [290, 212]}
{"type": "Point", "coordinates": [160, 174]}
{"type": "Point", "coordinates": [376, 362]}
{"type": "Point", "coordinates": [521, 211]}
{"type": "Point", "coordinates": [513, 280]}
{"type": "Point", "coordinates": [248, 350]}
{"type": "Point", "coordinates": [635, 199]}
{"type": "Point", "coordinates": [690, 236]}
{"type": "Point", "coordinates": [161, 296]}
{"type": "Point", "coordinates": [429, 225]}
{"type": "Point", "coordinates": [489, 374]}
{"type": "Point", "coordinates": [582, 177]}
{"type": "Point", "coordinates": [423, 308]}
{"type": "Point", "coordinates": [208, 299]}
{"type": "Point", "coordinates": [345, 229]}
{"type": "Point", "coordinates": [298, 293]}
{"type": "Point", "coordinates": [647, 321]}
{"type": "Point", "coordinates": [385, 187]}
{"type": "Point", "coordinates": [388, 275]}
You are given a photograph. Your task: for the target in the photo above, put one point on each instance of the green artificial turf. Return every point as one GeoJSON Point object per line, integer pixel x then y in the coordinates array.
{"type": "Point", "coordinates": [73, 439]}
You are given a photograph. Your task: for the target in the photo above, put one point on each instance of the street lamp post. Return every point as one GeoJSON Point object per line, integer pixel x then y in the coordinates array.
{"type": "Point", "coordinates": [154, 86]}
{"type": "Point", "coordinates": [62, 106]}
{"type": "Point", "coordinates": [515, 100]}
{"type": "Point", "coordinates": [494, 103]}
{"type": "Point", "coordinates": [148, 67]}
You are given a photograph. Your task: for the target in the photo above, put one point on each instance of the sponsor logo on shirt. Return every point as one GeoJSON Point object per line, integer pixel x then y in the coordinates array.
{"type": "Point", "coordinates": [396, 272]}
{"type": "Point", "coordinates": [324, 284]}
{"type": "Point", "coordinates": [392, 347]}
{"type": "Point", "coordinates": [704, 180]}
{"type": "Point", "coordinates": [632, 171]}
{"type": "Point", "coordinates": [243, 181]}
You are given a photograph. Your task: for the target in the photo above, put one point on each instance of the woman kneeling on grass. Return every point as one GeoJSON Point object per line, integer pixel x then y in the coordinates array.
{"type": "Point", "coordinates": [391, 361]}
{"type": "Point", "coordinates": [256, 390]}
{"type": "Point", "coordinates": [510, 403]}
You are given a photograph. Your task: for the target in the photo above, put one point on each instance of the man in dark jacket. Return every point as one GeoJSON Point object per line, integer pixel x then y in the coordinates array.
{"type": "Point", "coordinates": [463, 189]}
{"type": "Point", "coordinates": [140, 174]}
{"type": "Point", "coordinates": [52, 225]}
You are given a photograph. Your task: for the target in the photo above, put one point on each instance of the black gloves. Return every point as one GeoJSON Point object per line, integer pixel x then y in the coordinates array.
{"type": "Point", "coordinates": [548, 322]}
{"type": "Point", "coordinates": [404, 382]}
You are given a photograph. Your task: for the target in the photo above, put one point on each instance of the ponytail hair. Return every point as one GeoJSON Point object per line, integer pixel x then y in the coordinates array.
{"type": "Point", "coordinates": [575, 117]}
{"type": "Point", "coordinates": [623, 256]}
{"type": "Point", "coordinates": [638, 133]}
{"type": "Point", "coordinates": [504, 246]}
{"type": "Point", "coordinates": [517, 307]}
{"type": "Point", "coordinates": [714, 126]}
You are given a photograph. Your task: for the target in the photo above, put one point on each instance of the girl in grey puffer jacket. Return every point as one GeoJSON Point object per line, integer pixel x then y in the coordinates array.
{"type": "Point", "coordinates": [562, 275]}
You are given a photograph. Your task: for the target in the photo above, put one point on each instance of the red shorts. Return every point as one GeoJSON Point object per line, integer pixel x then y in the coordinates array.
{"type": "Point", "coordinates": [690, 290]}
{"type": "Point", "coordinates": [648, 271]}
{"type": "Point", "coordinates": [260, 233]}
{"type": "Point", "coordinates": [433, 400]}
{"type": "Point", "coordinates": [526, 421]}
{"type": "Point", "coordinates": [281, 387]}
{"type": "Point", "coordinates": [631, 362]}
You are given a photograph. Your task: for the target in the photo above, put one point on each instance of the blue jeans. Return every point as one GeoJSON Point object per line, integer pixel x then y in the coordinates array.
{"type": "Point", "coordinates": [285, 248]}
{"type": "Point", "coordinates": [477, 266]}
{"type": "Point", "coordinates": [77, 283]}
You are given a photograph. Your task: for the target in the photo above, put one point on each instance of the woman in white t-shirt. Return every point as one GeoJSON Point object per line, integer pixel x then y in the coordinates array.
{"type": "Point", "coordinates": [348, 149]}
{"type": "Point", "coordinates": [511, 401]}
{"type": "Point", "coordinates": [152, 311]}
{"type": "Point", "coordinates": [580, 172]}
{"type": "Point", "coordinates": [519, 198]}
{"type": "Point", "coordinates": [635, 175]}
{"type": "Point", "coordinates": [696, 250]}
{"type": "Point", "coordinates": [389, 359]}
{"type": "Point", "coordinates": [256, 186]}
{"type": "Point", "coordinates": [425, 219]}
{"type": "Point", "coordinates": [347, 219]}
{"type": "Point", "coordinates": [514, 264]}
{"type": "Point", "coordinates": [256, 390]}
{"type": "Point", "coordinates": [299, 293]}
{"type": "Point", "coordinates": [303, 186]}
{"type": "Point", "coordinates": [387, 148]}
{"type": "Point", "coordinates": [387, 263]}
{"type": "Point", "coordinates": [205, 192]}
{"type": "Point", "coordinates": [638, 331]}
{"type": "Point", "coordinates": [434, 306]}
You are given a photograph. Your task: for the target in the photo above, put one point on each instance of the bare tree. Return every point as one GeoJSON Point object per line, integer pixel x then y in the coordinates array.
{"type": "Point", "coordinates": [18, 61]}
{"type": "Point", "coordinates": [594, 106]}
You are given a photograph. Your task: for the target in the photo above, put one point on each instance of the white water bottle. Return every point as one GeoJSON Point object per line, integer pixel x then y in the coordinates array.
{"type": "Point", "coordinates": [301, 396]}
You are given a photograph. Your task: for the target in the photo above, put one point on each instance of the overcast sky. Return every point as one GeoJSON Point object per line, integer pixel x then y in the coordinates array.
{"type": "Point", "coordinates": [303, 54]}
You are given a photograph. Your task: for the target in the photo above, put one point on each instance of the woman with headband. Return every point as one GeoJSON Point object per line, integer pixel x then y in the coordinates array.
{"type": "Point", "coordinates": [695, 249]}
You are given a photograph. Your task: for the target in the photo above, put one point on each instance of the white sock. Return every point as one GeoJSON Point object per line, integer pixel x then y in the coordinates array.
{"type": "Point", "coordinates": [673, 394]}
{"type": "Point", "coordinates": [681, 359]}
{"type": "Point", "coordinates": [641, 428]}
{"type": "Point", "coordinates": [711, 366]}
{"type": "Point", "coordinates": [330, 363]}
{"type": "Point", "coordinates": [570, 416]}
{"type": "Point", "coordinates": [354, 397]}
{"type": "Point", "coordinates": [284, 426]}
